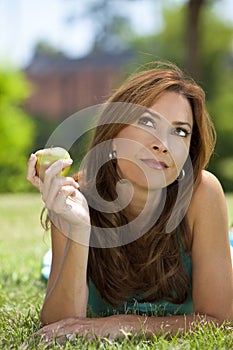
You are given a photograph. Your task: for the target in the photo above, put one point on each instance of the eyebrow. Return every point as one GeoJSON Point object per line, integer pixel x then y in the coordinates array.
{"type": "Point", "coordinates": [158, 116]}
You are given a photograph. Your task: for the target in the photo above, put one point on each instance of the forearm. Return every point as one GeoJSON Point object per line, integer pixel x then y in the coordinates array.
{"type": "Point", "coordinates": [175, 324]}
{"type": "Point", "coordinates": [143, 325]}
{"type": "Point", "coordinates": [116, 326]}
{"type": "Point", "coordinates": [58, 245]}
{"type": "Point", "coordinates": [67, 295]}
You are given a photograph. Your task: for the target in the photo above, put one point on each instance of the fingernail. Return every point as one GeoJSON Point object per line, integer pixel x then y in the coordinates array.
{"type": "Point", "coordinates": [69, 336]}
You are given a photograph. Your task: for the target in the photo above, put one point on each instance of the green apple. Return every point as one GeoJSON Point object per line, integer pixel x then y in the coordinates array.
{"type": "Point", "coordinates": [47, 156]}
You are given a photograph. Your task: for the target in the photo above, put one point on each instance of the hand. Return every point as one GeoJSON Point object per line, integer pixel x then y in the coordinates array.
{"type": "Point", "coordinates": [111, 327]}
{"type": "Point", "coordinates": [67, 207]}
{"type": "Point", "coordinates": [31, 176]}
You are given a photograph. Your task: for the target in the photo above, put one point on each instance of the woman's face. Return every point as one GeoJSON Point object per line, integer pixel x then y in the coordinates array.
{"type": "Point", "coordinates": [152, 151]}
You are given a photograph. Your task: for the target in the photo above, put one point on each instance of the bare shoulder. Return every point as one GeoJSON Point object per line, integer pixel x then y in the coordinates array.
{"type": "Point", "coordinates": [208, 189]}
{"type": "Point", "coordinates": [208, 197]}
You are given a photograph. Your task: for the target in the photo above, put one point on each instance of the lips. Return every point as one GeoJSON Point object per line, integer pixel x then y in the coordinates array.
{"type": "Point", "coordinates": [155, 164]}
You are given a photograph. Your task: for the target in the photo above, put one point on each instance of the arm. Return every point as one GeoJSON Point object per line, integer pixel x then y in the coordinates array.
{"type": "Point", "coordinates": [67, 290]}
{"type": "Point", "coordinates": [212, 269]}
{"type": "Point", "coordinates": [117, 326]}
{"type": "Point", "coordinates": [67, 287]}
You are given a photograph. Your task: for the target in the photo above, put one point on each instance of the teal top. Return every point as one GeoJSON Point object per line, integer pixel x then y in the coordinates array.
{"type": "Point", "coordinates": [99, 307]}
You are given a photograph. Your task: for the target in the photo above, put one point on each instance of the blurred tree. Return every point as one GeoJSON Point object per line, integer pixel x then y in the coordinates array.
{"type": "Point", "coordinates": [44, 48]}
{"type": "Point", "coordinates": [216, 77]}
{"type": "Point", "coordinates": [16, 130]}
{"type": "Point", "coordinates": [194, 9]}
{"type": "Point", "coordinates": [112, 30]}
{"type": "Point", "coordinates": [215, 73]}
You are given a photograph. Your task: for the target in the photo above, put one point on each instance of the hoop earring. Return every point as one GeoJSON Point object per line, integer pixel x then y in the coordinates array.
{"type": "Point", "coordinates": [112, 155]}
{"type": "Point", "coordinates": [181, 175]}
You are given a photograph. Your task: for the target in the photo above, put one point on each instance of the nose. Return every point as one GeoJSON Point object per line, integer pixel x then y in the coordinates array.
{"type": "Point", "coordinates": [158, 146]}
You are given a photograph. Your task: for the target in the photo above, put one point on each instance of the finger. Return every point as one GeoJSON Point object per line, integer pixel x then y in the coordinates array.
{"type": "Point", "coordinates": [62, 202]}
{"type": "Point", "coordinates": [56, 200]}
{"type": "Point", "coordinates": [55, 328]}
{"type": "Point", "coordinates": [31, 172]}
{"type": "Point", "coordinates": [56, 167]}
{"type": "Point", "coordinates": [48, 339]}
{"type": "Point", "coordinates": [53, 170]}
{"type": "Point", "coordinates": [52, 188]}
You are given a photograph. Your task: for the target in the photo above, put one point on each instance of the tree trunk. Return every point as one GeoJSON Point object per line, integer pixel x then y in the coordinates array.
{"type": "Point", "coordinates": [193, 37]}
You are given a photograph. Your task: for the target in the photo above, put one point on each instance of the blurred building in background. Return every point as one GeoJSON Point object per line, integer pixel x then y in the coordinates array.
{"type": "Point", "coordinates": [62, 86]}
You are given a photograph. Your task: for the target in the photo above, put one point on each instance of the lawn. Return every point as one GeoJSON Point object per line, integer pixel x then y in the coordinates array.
{"type": "Point", "coordinates": [22, 246]}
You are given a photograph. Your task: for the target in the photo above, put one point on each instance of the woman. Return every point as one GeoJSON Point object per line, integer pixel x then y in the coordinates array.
{"type": "Point", "coordinates": [148, 237]}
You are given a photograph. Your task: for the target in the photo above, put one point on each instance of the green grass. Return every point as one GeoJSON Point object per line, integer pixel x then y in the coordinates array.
{"type": "Point", "coordinates": [22, 246]}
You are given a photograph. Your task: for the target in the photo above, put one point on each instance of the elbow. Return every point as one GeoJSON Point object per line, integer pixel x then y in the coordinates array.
{"type": "Point", "coordinates": [53, 314]}
{"type": "Point", "coordinates": [44, 317]}
{"type": "Point", "coordinates": [218, 319]}
{"type": "Point", "coordinates": [219, 314]}
{"type": "Point", "coordinates": [226, 318]}
{"type": "Point", "coordinates": [224, 315]}
{"type": "Point", "coordinates": [48, 315]}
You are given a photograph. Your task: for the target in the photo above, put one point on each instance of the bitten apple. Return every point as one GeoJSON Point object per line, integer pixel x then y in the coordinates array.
{"type": "Point", "coordinates": [47, 156]}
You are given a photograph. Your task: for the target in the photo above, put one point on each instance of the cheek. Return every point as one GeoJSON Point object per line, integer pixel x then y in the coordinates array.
{"type": "Point", "coordinates": [130, 170]}
{"type": "Point", "coordinates": [127, 148]}
{"type": "Point", "coordinates": [179, 153]}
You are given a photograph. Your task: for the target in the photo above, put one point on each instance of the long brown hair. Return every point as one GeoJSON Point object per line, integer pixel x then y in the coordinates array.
{"type": "Point", "coordinates": [150, 265]}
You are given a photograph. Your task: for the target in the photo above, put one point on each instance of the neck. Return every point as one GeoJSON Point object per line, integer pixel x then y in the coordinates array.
{"type": "Point", "coordinates": [142, 199]}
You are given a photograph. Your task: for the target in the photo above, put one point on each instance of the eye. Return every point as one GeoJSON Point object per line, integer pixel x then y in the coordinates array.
{"type": "Point", "coordinates": [147, 121]}
{"type": "Point", "coordinates": [181, 132]}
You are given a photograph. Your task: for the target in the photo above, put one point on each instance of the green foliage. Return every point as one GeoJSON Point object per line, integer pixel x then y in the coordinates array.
{"type": "Point", "coordinates": [44, 48]}
{"type": "Point", "coordinates": [169, 44]}
{"type": "Point", "coordinates": [16, 130]}
{"type": "Point", "coordinates": [216, 72]}
{"type": "Point", "coordinates": [110, 26]}
{"type": "Point", "coordinates": [45, 128]}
